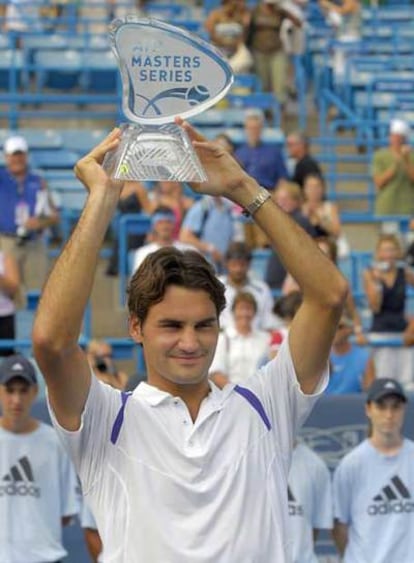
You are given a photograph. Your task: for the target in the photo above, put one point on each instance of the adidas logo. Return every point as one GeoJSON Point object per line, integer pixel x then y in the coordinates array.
{"type": "Point", "coordinates": [394, 498]}
{"type": "Point", "coordinates": [19, 481]}
{"type": "Point", "coordinates": [295, 509]}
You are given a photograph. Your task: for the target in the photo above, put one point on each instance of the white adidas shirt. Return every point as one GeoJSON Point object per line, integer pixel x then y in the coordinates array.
{"type": "Point", "coordinates": [37, 488]}
{"type": "Point", "coordinates": [170, 491]}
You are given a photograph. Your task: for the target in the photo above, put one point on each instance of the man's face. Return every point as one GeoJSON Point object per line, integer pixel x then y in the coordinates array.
{"type": "Point", "coordinates": [164, 230]}
{"type": "Point", "coordinates": [294, 146]}
{"type": "Point", "coordinates": [179, 338]}
{"type": "Point", "coordinates": [285, 201]}
{"type": "Point", "coordinates": [386, 416]}
{"type": "Point", "coordinates": [396, 140]}
{"type": "Point", "coordinates": [244, 314]}
{"type": "Point", "coordinates": [237, 269]}
{"type": "Point", "coordinates": [343, 332]}
{"type": "Point", "coordinates": [16, 163]}
{"type": "Point", "coordinates": [16, 399]}
{"type": "Point", "coordinates": [253, 128]}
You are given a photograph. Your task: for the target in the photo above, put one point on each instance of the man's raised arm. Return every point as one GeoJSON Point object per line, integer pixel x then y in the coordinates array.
{"type": "Point", "coordinates": [323, 286]}
{"type": "Point", "coordinates": [64, 298]}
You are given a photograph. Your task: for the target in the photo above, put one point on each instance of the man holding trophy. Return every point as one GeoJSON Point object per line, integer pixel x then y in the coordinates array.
{"type": "Point", "coordinates": [180, 470]}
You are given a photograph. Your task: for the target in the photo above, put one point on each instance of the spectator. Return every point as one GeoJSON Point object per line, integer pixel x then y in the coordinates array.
{"type": "Point", "coordinates": [26, 211]}
{"type": "Point", "coordinates": [373, 484]}
{"type": "Point", "coordinates": [289, 198]}
{"type": "Point", "coordinates": [352, 367]}
{"type": "Point", "coordinates": [304, 164]}
{"type": "Point", "coordinates": [323, 214]}
{"type": "Point", "coordinates": [9, 289]}
{"type": "Point", "coordinates": [170, 194]}
{"type": "Point", "coordinates": [227, 27]}
{"type": "Point", "coordinates": [134, 199]}
{"type": "Point", "coordinates": [264, 162]}
{"type": "Point", "coordinates": [241, 348]}
{"type": "Point", "coordinates": [238, 278]}
{"type": "Point", "coordinates": [285, 309]}
{"type": "Point", "coordinates": [345, 18]}
{"type": "Point", "coordinates": [310, 502]}
{"type": "Point", "coordinates": [330, 249]}
{"type": "Point", "coordinates": [393, 173]}
{"type": "Point", "coordinates": [175, 458]}
{"type": "Point", "coordinates": [163, 224]}
{"type": "Point", "coordinates": [38, 486]}
{"type": "Point", "coordinates": [265, 42]}
{"type": "Point", "coordinates": [100, 358]}
{"type": "Point", "coordinates": [208, 227]}
{"type": "Point", "coordinates": [385, 284]}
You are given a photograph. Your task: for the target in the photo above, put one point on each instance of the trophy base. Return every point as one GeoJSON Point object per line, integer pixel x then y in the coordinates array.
{"type": "Point", "coordinates": [149, 152]}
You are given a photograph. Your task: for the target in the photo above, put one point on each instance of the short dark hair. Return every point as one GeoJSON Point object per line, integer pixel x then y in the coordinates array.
{"type": "Point", "coordinates": [170, 266]}
{"type": "Point", "coordinates": [244, 297]}
{"type": "Point", "coordinates": [238, 250]}
{"type": "Point", "coordinates": [287, 306]}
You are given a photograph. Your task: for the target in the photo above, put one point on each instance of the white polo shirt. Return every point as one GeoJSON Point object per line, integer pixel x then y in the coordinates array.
{"type": "Point", "coordinates": [167, 490]}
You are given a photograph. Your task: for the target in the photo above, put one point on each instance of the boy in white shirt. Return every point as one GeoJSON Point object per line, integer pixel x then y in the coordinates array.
{"type": "Point", "coordinates": [38, 482]}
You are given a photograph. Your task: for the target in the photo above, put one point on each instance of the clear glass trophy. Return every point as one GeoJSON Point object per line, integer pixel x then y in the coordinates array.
{"type": "Point", "coordinates": [166, 72]}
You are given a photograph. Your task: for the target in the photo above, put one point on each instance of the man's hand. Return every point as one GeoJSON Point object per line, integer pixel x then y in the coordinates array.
{"type": "Point", "coordinates": [89, 168]}
{"type": "Point", "coordinates": [224, 174]}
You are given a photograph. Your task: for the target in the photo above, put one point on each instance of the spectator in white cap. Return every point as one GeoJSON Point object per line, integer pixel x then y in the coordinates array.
{"type": "Point", "coordinates": [393, 173]}
{"type": "Point", "coordinates": [26, 210]}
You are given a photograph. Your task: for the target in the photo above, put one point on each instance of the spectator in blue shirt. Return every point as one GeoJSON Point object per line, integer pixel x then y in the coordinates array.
{"type": "Point", "coordinates": [352, 366]}
{"type": "Point", "coordinates": [264, 162]}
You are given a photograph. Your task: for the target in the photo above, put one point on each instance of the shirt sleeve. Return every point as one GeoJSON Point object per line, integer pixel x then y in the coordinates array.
{"type": "Point", "coordinates": [322, 513]}
{"type": "Point", "coordinates": [284, 402]}
{"type": "Point", "coordinates": [342, 493]}
{"type": "Point", "coordinates": [193, 218]}
{"type": "Point", "coordinates": [88, 446]}
{"type": "Point", "coordinates": [68, 482]}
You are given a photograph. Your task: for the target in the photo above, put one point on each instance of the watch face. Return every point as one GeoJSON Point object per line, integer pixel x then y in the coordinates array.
{"type": "Point", "coordinates": [166, 71]}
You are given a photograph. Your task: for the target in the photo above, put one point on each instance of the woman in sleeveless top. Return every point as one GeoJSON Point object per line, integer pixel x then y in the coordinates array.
{"type": "Point", "coordinates": [385, 284]}
{"type": "Point", "coordinates": [323, 214]}
{"type": "Point", "coordinates": [9, 286]}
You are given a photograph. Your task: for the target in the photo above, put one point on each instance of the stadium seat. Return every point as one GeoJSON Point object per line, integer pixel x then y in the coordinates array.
{"type": "Point", "coordinates": [262, 100]}
{"type": "Point", "coordinates": [36, 138]}
{"type": "Point", "coordinates": [11, 67]}
{"type": "Point", "coordinates": [100, 72]}
{"type": "Point", "coordinates": [54, 159]}
{"type": "Point", "coordinates": [59, 70]}
{"type": "Point", "coordinates": [81, 140]}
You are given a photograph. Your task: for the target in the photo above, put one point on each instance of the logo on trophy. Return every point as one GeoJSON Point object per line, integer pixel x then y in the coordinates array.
{"type": "Point", "coordinates": [166, 72]}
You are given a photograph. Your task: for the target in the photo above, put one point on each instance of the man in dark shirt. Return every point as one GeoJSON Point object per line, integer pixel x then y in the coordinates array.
{"type": "Point", "coordinates": [288, 196]}
{"type": "Point", "coordinates": [298, 149]}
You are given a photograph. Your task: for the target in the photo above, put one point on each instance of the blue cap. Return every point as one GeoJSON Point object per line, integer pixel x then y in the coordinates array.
{"type": "Point", "coordinates": [17, 366]}
{"type": "Point", "coordinates": [384, 387]}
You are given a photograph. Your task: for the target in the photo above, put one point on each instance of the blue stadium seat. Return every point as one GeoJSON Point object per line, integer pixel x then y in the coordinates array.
{"type": "Point", "coordinates": [128, 224]}
{"type": "Point", "coordinates": [258, 263]}
{"type": "Point", "coordinates": [11, 67]}
{"type": "Point", "coordinates": [54, 159]}
{"type": "Point", "coordinates": [68, 194]}
{"type": "Point", "coordinates": [36, 138]}
{"type": "Point", "coordinates": [81, 140]}
{"type": "Point", "coordinates": [100, 72]}
{"type": "Point", "coordinates": [59, 70]}
{"type": "Point", "coordinates": [262, 100]}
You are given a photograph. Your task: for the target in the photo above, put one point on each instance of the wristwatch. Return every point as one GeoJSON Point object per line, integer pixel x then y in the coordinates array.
{"type": "Point", "coordinates": [258, 201]}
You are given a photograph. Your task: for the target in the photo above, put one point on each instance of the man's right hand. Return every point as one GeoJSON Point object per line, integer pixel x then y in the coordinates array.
{"type": "Point", "coordinates": [89, 168]}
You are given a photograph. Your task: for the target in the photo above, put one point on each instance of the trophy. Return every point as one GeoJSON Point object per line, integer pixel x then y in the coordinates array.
{"type": "Point", "coordinates": [166, 72]}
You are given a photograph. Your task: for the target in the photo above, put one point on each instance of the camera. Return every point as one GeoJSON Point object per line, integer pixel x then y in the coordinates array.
{"type": "Point", "coordinates": [100, 364]}
{"type": "Point", "coordinates": [22, 236]}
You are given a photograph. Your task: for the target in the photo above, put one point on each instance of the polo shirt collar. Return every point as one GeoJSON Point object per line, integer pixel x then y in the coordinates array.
{"type": "Point", "coordinates": [154, 396]}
